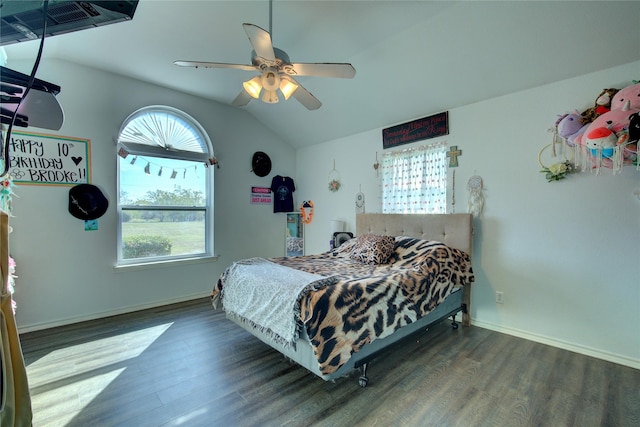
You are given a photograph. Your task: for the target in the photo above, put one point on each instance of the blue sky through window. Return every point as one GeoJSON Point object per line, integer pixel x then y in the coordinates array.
{"type": "Point", "coordinates": [135, 182]}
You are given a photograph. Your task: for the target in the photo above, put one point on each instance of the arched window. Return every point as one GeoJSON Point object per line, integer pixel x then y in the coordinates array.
{"type": "Point", "coordinates": [165, 189]}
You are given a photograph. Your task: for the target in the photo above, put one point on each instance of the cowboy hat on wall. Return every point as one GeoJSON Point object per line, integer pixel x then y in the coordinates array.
{"type": "Point", "coordinates": [87, 202]}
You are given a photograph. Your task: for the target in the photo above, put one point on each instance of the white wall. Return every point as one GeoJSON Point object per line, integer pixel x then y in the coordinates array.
{"type": "Point", "coordinates": [565, 253]}
{"type": "Point", "coordinates": [67, 274]}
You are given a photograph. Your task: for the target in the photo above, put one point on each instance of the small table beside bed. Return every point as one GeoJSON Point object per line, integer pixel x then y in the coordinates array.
{"type": "Point", "coordinates": [334, 312]}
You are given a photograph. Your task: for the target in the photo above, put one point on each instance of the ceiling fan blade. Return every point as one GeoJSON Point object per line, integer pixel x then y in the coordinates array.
{"type": "Point", "coordinates": [305, 97]}
{"type": "Point", "coordinates": [242, 99]}
{"type": "Point", "coordinates": [199, 64]}
{"type": "Point", "coordinates": [260, 41]}
{"type": "Point", "coordinates": [325, 69]}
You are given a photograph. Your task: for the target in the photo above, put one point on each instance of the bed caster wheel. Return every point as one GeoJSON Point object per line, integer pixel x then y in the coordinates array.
{"type": "Point", "coordinates": [363, 381]}
{"type": "Point", "coordinates": [454, 325]}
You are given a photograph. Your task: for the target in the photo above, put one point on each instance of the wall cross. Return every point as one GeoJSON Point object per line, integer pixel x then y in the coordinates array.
{"type": "Point", "coordinates": [453, 154]}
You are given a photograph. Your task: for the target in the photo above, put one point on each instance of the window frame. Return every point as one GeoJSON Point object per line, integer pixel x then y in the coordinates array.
{"type": "Point", "coordinates": [158, 152]}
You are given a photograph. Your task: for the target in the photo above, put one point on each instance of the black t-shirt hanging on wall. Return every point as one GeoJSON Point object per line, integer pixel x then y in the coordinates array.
{"type": "Point", "coordinates": [283, 188]}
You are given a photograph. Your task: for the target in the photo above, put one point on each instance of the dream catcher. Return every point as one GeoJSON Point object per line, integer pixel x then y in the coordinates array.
{"type": "Point", "coordinates": [334, 179]}
{"type": "Point", "coordinates": [360, 201]}
{"type": "Point", "coordinates": [476, 198]}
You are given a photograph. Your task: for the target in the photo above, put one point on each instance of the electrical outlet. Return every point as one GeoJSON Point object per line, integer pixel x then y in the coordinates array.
{"type": "Point", "coordinates": [500, 297]}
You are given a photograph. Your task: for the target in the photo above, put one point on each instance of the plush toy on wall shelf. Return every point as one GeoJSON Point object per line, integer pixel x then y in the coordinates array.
{"type": "Point", "coordinates": [607, 134]}
{"type": "Point", "coordinates": [602, 139]}
{"type": "Point", "coordinates": [569, 127]}
{"type": "Point", "coordinates": [601, 106]}
{"type": "Point", "coordinates": [611, 125]}
{"type": "Point", "coordinates": [634, 128]}
{"type": "Point", "coordinates": [629, 94]}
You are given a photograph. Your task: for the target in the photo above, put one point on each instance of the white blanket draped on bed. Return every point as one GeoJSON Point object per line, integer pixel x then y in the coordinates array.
{"type": "Point", "coordinates": [266, 296]}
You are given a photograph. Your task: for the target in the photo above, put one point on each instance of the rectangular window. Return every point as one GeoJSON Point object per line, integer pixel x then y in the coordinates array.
{"type": "Point", "coordinates": [163, 209]}
{"type": "Point", "coordinates": [414, 180]}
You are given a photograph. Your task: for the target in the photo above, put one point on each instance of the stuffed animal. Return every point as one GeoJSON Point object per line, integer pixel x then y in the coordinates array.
{"type": "Point", "coordinates": [569, 127]}
{"type": "Point", "coordinates": [624, 104]}
{"type": "Point", "coordinates": [631, 150]}
{"type": "Point", "coordinates": [601, 139]}
{"type": "Point", "coordinates": [614, 120]}
{"type": "Point", "coordinates": [629, 94]}
{"type": "Point", "coordinates": [601, 106]}
{"type": "Point", "coordinates": [634, 128]}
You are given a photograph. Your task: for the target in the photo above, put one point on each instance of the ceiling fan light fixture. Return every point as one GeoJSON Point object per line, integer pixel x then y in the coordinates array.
{"type": "Point", "coordinates": [253, 87]}
{"type": "Point", "coordinates": [270, 80]}
{"type": "Point", "coordinates": [287, 87]}
{"type": "Point", "coordinates": [270, 96]}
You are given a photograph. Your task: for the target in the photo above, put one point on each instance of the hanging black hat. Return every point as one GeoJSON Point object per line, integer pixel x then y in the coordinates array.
{"type": "Point", "coordinates": [261, 163]}
{"type": "Point", "coordinates": [87, 202]}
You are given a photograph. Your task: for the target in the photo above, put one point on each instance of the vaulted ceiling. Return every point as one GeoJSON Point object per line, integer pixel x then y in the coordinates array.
{"type": "Point", "coordinates": [412, 58]}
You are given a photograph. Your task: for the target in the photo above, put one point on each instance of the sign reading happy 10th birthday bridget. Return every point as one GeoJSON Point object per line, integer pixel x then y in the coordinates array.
{"type": "Point", "coordinates": [41, 159]}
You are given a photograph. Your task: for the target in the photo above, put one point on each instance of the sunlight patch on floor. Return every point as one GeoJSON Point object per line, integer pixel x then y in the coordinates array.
{"type": "Point", "coordinates": [74, 397]}
{"type": "Point", "coordinates": [100, 353]}
{"type": "Point", "coordinates": [185, 420]}
{"type": "Point", "coordinates": [102, 356]}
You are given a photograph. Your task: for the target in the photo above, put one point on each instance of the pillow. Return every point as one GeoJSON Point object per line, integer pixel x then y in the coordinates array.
{"type": "Point", "coordinates": [373, 249]}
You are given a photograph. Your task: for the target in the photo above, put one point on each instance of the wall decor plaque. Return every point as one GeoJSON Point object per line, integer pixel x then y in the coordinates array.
{"type": "Point", "coordinates": [41, 159]}
{"type": "Point", "coordinates": [416, 130]}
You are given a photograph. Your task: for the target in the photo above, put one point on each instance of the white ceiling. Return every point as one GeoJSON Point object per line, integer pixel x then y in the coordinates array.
{"type": "Point", "coordinates": [413, 58]}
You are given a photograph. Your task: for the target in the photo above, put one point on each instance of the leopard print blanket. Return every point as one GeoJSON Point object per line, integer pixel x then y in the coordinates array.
{"type": "Point", "coordinates": [370, 301]}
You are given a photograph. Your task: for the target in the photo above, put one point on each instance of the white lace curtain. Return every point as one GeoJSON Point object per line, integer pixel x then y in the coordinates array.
{"type": "Point", "coordinates": [415, 180]}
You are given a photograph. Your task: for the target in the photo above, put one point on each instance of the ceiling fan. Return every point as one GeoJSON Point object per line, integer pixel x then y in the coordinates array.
{"type": "Point", "coordinates": [276, 71]}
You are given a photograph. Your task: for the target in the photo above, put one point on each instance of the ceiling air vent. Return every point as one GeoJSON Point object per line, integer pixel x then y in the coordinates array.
{"type": "Point", "coordinates": [71, 12]}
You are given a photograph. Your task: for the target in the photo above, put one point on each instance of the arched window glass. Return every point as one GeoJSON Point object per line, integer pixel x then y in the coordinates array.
{"type": "Point", "coordinates": [165, 187]}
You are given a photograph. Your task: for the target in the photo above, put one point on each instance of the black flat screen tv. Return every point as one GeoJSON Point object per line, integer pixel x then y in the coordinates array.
{"type": "Point", "coordinates": [22, 20]}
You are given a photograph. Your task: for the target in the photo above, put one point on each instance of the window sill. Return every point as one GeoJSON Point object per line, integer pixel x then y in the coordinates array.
{"type": "Point", "coordinates": [163, 264]}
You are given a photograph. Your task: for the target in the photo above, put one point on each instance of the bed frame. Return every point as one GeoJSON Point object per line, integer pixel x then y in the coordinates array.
{"type": "Point", "coordinates": [454, 230]}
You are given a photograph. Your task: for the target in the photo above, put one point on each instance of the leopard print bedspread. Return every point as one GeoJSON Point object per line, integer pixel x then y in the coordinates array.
{"type": "Point", "coordinates": [371, 301]}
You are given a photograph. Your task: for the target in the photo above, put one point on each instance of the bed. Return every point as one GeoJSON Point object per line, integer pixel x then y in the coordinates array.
{"type": "Point", "coordinates": [334, 312]}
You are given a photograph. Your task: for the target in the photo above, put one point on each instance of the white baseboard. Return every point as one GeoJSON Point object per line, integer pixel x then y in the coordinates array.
{"type": "Point", "coordinates": [588, 351]}
{"type": "Point", "coordinates": [94, 316]}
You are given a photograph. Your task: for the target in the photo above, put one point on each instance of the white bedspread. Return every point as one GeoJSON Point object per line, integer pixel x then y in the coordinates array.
{"type": "Point", "coordinates": [266, 296]}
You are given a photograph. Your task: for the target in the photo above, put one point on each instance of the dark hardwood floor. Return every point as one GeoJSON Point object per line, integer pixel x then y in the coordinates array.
{"type": "Point", "coordinates": [186, 365]}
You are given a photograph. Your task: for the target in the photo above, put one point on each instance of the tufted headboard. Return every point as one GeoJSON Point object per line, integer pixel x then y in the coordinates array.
{"type": "Point", "coordinates": [454, 230]}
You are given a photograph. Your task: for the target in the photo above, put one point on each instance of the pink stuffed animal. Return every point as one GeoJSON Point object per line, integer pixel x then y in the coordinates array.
{"type": "Point", "coordinates": [611, 129]}
{"type": "Point", "coordinates": [614, 120]}
{"type": "Point", "coordinates": [629, 94]}
{"type": "Point", "coordinates": [624, 104]}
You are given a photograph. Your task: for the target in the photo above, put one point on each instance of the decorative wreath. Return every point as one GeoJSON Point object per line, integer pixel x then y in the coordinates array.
{"type": "Point", "coordinates": [334, 179]}
{"type": "Point", "coordinates": [334, 185]}
{"type": "Point", "coordinates": [556, 171]}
